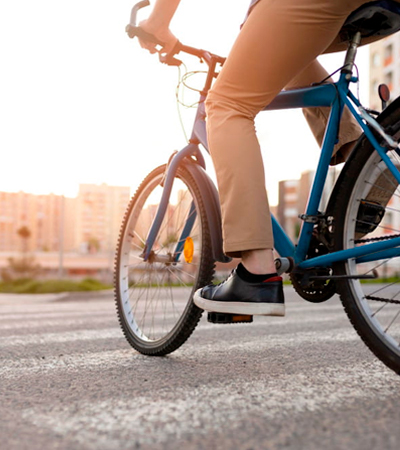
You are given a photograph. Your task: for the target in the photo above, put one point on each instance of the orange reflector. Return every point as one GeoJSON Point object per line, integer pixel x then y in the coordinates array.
{"type": "Point", "coordinates": [188, 250]}
{"type": "Point", "coordinates": [384, 92]}
{"type": "Point", "coordinates": [243, 318]}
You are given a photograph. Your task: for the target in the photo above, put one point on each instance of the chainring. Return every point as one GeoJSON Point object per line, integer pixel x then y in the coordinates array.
{"type": "Point", "coordinates": [314, 291]}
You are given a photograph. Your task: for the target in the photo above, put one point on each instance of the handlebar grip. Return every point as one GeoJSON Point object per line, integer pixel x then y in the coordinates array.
{"type": "Point", "coordinates": [135, 9]}
{"type": "Point", "coordinates": [133, 30]}
{"type": "Point", "coordinates": [137, 31]}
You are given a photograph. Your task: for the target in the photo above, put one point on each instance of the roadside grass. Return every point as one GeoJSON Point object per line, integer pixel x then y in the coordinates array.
{"type": "Point", "coordinates": [31, 286]}
{"type": "Point", "coordinates": [387, 280]}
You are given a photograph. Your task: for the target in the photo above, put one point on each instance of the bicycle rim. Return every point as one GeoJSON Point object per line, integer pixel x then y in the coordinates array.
{"type": "Point", "coordinates": [372, 305]}
{"type": "Point", "coordinates": [154, 297]}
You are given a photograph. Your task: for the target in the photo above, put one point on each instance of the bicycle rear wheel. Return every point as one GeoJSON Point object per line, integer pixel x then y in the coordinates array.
{"type": "Point", "coordinates": [367, 209]}
{"type": "Point", "coordinates": [154, 297]}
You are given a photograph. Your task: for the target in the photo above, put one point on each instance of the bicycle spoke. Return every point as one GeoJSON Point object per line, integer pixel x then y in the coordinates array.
{"type": "Point", "coordinates": [392, 322]}
{"type": "Point", "coordinates": [373, 305]}
{"type": "Point", "coordinates": [155, 295]}
{"type": "Point", "coordinates": [379, 310]}
{"type": "Point", "coordinates": [382, 188]}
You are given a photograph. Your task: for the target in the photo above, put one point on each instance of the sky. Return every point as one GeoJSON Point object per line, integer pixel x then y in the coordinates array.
{"type": "Point", "coordinates": [82, 103]}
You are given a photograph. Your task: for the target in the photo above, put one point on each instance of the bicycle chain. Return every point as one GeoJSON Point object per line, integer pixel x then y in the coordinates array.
{"type": "Point", "coordinates": [382, 238]}
{"type": "Point", "coordinates": [381, 299]}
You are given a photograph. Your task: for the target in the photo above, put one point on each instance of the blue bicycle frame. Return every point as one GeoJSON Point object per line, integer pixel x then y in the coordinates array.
{"type": "Point", "coordinates": [333, 95]}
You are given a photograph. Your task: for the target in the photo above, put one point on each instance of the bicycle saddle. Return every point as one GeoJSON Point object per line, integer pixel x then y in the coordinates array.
{"type": "Point", "coordinates": [379, 18]}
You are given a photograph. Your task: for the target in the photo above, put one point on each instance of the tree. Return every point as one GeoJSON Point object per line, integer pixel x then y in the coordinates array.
{"type": "Point", "coordinates": [24, 266]}
{"type": "Point", "coordinates": [24, 233]}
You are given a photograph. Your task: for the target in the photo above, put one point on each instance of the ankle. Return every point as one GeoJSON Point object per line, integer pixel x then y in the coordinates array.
{"type": "Point", "coordinates": [259, 262]}
{"type": "Point", "coordinates": [250, 277]}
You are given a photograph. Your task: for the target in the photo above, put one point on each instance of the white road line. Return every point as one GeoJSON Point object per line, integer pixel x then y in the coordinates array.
{"type": "Point", "coordinates": [15, 314]}
{"type": "Point", "coordinates": [115, 332]}
{"type": "Point", "coordinates": [61, 319]}
{"type": "Point", "coordinates": [11, 368]}
{"type": "Point", "coordinates": [60, 322]}
{"type": "Point", "coordinates": [61, 337]}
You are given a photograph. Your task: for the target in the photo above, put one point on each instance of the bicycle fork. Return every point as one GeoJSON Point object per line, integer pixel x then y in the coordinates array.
{"type": "Point", "coordinates": [192, 159]}
{"type": "Point", "coordinates": [168, 181]}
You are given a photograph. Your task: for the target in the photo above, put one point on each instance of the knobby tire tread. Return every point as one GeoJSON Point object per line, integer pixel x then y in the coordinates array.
{"type": "Point", "coordinates": [340, 204]}
{"type": "Point", "coordinates": [205, 276]}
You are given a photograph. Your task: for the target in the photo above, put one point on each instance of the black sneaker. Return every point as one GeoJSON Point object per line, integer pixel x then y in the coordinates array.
{"type": "Point", "coordinates": [235, 296]}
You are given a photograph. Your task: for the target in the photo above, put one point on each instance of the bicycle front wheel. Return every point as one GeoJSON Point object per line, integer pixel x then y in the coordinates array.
{"type": "Point", "coordinates": [154, 297]}
{"type": "Point", "coordinates": [368, 210]}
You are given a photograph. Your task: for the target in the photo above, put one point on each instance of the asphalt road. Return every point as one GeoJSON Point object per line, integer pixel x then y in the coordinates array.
{"type": "Point", "coordinates": [69, 380]}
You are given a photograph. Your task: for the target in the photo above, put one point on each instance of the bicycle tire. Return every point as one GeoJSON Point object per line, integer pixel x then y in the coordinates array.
{"type": "Point", "coordinates": [372, 306]}
{"type": "Point", "coordinates": [154, 298]}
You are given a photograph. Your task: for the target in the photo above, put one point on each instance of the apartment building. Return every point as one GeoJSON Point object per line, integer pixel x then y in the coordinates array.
{"type": "Point", "coordinates": [99, 212]}
{"type": "Point", "coordinates": [293, 197]}
{"type": "Point", "coordinates": [89, 222]}
{"type": "Point", "coordinates": [43, 215]}
{"type": "Point", "coordinates": [287, 207]}
{"type": "Point", "coordinates": [384, 68]}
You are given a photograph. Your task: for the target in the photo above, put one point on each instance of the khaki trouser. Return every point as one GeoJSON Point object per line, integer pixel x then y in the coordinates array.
{"type": "Point", "coordinates": [276, 48]}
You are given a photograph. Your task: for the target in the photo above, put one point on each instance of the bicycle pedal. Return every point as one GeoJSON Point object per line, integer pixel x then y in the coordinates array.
{"type": "Point", "coordinates": [215, 317]}
{"type": "Point", "coordinates": [369, 216]}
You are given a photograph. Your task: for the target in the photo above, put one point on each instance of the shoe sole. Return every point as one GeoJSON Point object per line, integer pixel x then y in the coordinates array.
{"type": "Point", "coordinates": [252, 309]}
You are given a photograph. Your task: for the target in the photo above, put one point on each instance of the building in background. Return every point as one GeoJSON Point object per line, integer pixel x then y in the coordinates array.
{"type": "Point", "coordinates": [384, 68]}
{"type": "Point", "coordinates": [287, 207]}
{"type": "Point", "coordinates": [42, 215]}
{"type": "Point", "coordinates": [99, 212]}
{"type": "Point", "coordinates": [89, 222]}
{"type": "Point", "coordinates": [293, 197]}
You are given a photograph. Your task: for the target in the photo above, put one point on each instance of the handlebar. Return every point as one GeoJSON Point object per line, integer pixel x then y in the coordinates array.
{"type": "Point", "coordinates": [134, 31]}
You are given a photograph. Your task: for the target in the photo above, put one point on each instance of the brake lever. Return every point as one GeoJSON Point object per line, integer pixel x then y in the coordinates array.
{"type": "Point", "coordinates": [168, 58]}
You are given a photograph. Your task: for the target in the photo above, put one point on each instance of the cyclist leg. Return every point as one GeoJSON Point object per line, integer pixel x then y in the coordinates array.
{"type": "Point", "coordinates": [278, 40]}
{"type": "Point", "coordinates": [317, 118]}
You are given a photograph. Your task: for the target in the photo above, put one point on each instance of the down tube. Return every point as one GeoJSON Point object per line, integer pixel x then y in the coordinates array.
{"type": "Point", "coordinates": [283, 245]}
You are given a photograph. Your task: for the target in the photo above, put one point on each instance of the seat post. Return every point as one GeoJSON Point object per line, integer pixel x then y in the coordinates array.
{"type": "Point", "coordinates": [351, 55]}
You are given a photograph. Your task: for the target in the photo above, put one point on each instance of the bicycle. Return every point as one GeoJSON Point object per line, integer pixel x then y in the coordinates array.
{"type": "Point", "coordinates": [171, 236]}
